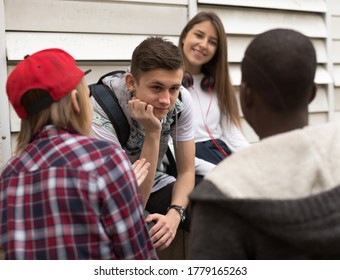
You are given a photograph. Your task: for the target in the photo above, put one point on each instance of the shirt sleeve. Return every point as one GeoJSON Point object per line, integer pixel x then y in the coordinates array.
{"type": "Point", "coordinates": [183, 130]}
{"type": "Point", "coordinates": [202, 167]}
{"type": "Point", "coordinates": [233, 136]}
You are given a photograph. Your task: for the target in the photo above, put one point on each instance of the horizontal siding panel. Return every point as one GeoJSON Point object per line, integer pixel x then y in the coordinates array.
{"type": "Point", "coordinates": [320, 102]}
{"type": "Point", "coordinates": [235, 74]}
{"type": "Point", "coordinates": [97, 69]}
{"type": "Point", "coordinates": [336, 117]}
{"type": "Point", "coordinates": [335, 27]}
{"type": "Point", "coordinates": [334, 7]}
{"type": "Point", "coordinates": [112, 47]}
{"type": "Point", "coordinates": [237, 46]}
{"type": "Point", "coordinates": [81, 46]}
{"type": "Point", "coordinates": [88, 17]}
{"type": "Point", "coordinates": [318, 105]}
{"type": "Point", "coordinates": [254, 21]}
{"type": "Point", "coordinates": [301, 5]}
{"type": "Point", "coordinates": [336, 75]}
{"type": "Point", "coordinates": [314, 119]}
{"type": "Point", "coordinates": [337, 99]}
{"type": "Point", "coordinates": [321, 50]}
{"type": "Point", "coordinates": [322, 77]}
{"type": "Point", "coordinates": [15, 121]}
{"type": "Point", "coordinates": [168, 2]}
{"type": "Point", "coordinates": [100, 70]}
{"type": "Point", "coordinates": [336, 51]}
{"type": "Point", "coordinates": [318, 118]}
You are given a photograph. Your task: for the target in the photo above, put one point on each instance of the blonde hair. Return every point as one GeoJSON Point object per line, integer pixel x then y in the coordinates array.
{"type": "Point", "coordinates": [60, 114]}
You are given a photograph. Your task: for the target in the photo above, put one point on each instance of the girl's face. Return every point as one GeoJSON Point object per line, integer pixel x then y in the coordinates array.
{"type": "Point", "coordinates": [199, 46]}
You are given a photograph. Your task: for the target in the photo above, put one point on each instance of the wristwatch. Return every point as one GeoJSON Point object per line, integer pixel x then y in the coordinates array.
{"type": "Point", "coordinates": [180, 210]}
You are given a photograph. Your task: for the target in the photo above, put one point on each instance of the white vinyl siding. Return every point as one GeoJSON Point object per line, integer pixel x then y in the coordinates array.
{"type": "Point", "coordinates": [244, 19]}
{"type": "Point", "coordinates": [334, 7]}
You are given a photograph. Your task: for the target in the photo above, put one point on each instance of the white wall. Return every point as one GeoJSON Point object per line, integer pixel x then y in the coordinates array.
{"type": "Point", "coordinates": [334, 8]}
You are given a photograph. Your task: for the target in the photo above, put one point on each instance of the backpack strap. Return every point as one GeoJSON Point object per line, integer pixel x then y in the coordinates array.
{"type": "Point", "coordinates": [107, 99]}
{"type": "Point", "coordinates": [112, 73]}
{"type": "Point", "coordinates": [171, 169]}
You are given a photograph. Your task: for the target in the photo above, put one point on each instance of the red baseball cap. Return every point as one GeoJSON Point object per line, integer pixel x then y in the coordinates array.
{"type": "Point", "coordinates": [52, 70]}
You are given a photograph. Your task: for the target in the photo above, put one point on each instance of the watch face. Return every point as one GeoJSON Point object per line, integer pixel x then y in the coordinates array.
{"type": "Point", "coordinates": [180, 210]}
{"type": "Point", "coordinates": [183, 215]}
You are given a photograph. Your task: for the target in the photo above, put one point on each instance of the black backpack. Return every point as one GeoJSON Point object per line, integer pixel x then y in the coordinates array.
{"type": "Point", "coordinates": [108, 101]}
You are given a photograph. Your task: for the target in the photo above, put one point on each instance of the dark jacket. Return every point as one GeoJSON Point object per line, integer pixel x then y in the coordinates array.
{"type": "Point", "coordinates": [278, 199]}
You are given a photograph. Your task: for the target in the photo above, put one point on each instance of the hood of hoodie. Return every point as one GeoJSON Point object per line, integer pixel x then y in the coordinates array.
{"type": "Point", "coordinates": [286, 186]}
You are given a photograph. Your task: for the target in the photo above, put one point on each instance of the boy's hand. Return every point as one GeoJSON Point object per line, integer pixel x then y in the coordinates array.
{"type": "Point", "coordinates": [143, 114]}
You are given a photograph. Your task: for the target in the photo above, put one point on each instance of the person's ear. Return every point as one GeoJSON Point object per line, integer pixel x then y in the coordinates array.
{"type": "Point", "coordinates": [75, 101]}
{"type": "Point", "coordinates": [130, 82]}
{"type": "Point", "coordinates": [313, 93]}
{"type": "Point", "coordinates": [246, 95]}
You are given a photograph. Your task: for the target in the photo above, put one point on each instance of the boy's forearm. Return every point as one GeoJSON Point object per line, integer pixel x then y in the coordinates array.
{"type": "Point", "coordinates": [184, 185]}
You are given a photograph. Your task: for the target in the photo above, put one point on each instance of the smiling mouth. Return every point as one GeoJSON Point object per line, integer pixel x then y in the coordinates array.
{"type": "Point", "coordinates": [198, 53]}
{"type": "Point", "coordinates": [162, 109]}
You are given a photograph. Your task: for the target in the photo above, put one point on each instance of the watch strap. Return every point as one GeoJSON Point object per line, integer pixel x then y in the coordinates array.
{"type": "Point", "coordinates": [179, 209]}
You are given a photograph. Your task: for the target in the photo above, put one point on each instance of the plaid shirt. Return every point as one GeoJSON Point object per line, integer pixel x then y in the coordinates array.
{"type": "Point", "coordinates": [71, 197]}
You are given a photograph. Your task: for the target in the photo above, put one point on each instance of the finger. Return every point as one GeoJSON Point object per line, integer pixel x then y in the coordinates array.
{"type": "Point", "coordinates": [163, 242]}
{"type": "Point", "coordinates": [141, 170]}
{"type": "Point", "coordinates": [144, 167]}
{"type": "Point", "coordinates": [156, 227]}
{"type": "Point", "coordinates": [137, 165]}
{"type": "Point", "coordinates": [141, 106]}
{"type": "Point", "coordinates": [149, 108]}
{"type": "Point", "coordinates": [141, 178]}
{"type": "Point", "coordinates": [165, 245]}
{"type": "Point", "coordinates": [159, 234]}
{"type": "Point", "coordinates": [153, 217]}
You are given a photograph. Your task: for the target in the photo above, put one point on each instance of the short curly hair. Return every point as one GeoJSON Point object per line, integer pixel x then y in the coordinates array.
{"type": "Point", "coordinates": [280, 66]}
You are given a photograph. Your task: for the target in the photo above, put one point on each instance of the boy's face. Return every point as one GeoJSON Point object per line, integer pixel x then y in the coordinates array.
{"type": "Point", "coordinates": [159, 88]}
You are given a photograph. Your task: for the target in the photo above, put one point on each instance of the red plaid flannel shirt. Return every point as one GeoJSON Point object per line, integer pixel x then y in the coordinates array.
{"type": "Point", "coordinates": [71, 197]}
